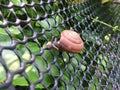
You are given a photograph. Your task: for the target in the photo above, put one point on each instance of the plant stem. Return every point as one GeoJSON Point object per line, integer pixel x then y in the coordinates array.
{"type": "Point", "coordinates": [114, 28]}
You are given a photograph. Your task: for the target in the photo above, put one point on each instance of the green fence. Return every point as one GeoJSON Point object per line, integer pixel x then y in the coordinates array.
{"type": "Point", "coordinates": [27, 64]}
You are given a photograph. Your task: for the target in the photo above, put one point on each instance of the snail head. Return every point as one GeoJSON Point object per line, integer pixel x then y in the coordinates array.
{"type": "Point", "coordinates": [49, 44]}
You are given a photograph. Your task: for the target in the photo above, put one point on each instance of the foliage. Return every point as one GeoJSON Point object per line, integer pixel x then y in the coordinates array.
{"type": "Point", "coordinates": [24, 52]}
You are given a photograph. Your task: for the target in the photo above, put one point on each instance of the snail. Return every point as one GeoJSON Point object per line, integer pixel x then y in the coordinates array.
{"type": "Point", "coordinates": [70, 41]}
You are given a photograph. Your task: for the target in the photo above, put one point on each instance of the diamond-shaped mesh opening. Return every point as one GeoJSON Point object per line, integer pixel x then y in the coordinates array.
{"type": "Point", "coordinates": [27, 64]}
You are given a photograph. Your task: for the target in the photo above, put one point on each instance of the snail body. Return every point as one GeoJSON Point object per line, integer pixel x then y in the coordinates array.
{"type": "Point", "coordinates": [70, 41]}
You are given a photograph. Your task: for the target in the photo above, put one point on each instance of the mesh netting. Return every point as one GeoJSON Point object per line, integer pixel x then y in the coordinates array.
{"type": "Point", "coordinates": [27, 64]}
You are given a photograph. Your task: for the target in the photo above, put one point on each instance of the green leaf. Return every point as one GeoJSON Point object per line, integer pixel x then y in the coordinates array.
{"type": "Point", "coordinates": [48, 35]}
{"type": "Point", "coordinates": [19, 2]}
{"type": "Point", "coordinates": [70, 68]}
{"type": "Point", "coordinates": [25, 1]}
{"type": "Point", "coordinates": [11, 60]}
{"type": "Point", "coordinates": [42, 65]}
{"type": "Point", "coordinates": [79, 18]}
{"type": "Point", "coordinates": [47, 23]}
{"type": "Point", "coordinates": [92, 86]}
{"type": "Point", "coordinates": [51, 22]}
{"type": "Point", "coordinates": [58, 19]}
{"type": "Point", "coordinates": [74, 62]}
{"type": "Point", "coordinates": [23, 52]}
{"type": "Point", "coordinates": [65, 57]}
{"type": "Point", "coordinates": [71, 87]}
{"type": "Point", "coordinates": [32, 73]}
{"type": "Point", "coordinates": [102, 68]}
{"type": "Point", "coordinates": [16, 34]}
{"type": "Point", "coordinates": [14, 30]}
{"type": "Point", "coordinates": [83, 67]}
{"type": "Point", "coordinates": [2, 74]}
{"type": "Point", "coordinates": [60, 63]}
{"type": "Point", "coordinates": [102, 60]}
{"type": "Point", "coordinates": [48, 80]}
{"type": "Point", "coordinates": [20, 81]}
{"type": "Point", "coordinates": [30, 12]}
{"type": "Point", "coordinates": [96, 80]}
{"type": "Point", "coordinates": [66, 76]}
{"type": "Point", "coordinates": [44, 24]}
{"type": "Point", "coordinates": [1, 22]}
{"type": "Point", "coordinates": [39, 86]}
{"type": "Point", "coordinates": [78, 57]}
{"type": "Point", "coordinates": [48, 56]}
{"type": "Point", "coordinates": [19, 12]}
{"type": "Point", "coordinates": [37, 24]}
{"type": "Point", "coordinates": [4, 38]}
{"type": "Point", "coordinates": [34, 47]}
{"type": "Point", "coordinates": [55, 71]}
{"type": "Point", "coordinates": [55, 32]}
{"type": "Point", "coordinates": [2, 31]}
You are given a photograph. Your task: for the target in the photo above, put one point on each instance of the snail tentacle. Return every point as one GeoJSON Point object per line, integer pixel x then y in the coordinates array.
{"type": "Point", "coordinates": [54, 46]}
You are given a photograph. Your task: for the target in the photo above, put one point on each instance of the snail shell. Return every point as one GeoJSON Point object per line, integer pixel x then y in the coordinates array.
{"type": "Point", "coordinates": [70, 41]}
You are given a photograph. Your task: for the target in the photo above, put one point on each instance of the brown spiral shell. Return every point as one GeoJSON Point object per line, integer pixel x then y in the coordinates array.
{"type": "Point", "coordinates": [70, 41]}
